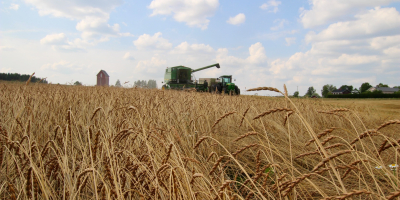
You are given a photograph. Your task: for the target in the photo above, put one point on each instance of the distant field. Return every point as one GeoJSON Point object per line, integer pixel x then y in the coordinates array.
{"type": "Point", "coordinates": [382, 107]}
{"type": "Point", "coordinates": [76, 142]}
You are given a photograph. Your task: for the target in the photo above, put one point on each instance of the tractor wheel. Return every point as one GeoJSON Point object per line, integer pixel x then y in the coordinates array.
{"type": "Point", "coordinates": [237, 90]}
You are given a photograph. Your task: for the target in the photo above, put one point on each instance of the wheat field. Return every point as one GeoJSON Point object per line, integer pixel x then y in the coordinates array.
{"type": "Point", "coordinates": [76, 142]}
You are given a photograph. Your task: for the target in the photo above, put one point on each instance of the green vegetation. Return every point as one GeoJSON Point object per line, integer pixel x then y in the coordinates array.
{"type": "Point", "coordinates": [20, 77]}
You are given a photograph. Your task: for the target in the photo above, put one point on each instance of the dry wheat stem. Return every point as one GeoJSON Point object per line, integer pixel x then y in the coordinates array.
{"type": "Point", "coordinates": [244, 115]}
{"type": "Point", "coordinates": [325, 160]}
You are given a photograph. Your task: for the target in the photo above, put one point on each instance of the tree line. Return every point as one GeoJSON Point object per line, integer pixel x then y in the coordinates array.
{"type": "Point", "coordinates": [20, 77]}
{"type": "Point", "coordinates": [150, 84]}
{"type": "Point", "coordinates": [328, 89]}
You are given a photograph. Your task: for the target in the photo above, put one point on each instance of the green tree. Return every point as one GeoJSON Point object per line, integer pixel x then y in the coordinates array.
{"type": "Point", "coordinates": [326, 89]}
{"type": "Point", "coordinates": [310, 91]}
{"type": "Point", "coordinates": [118, 83]}
{"type": "Point", "coordinates": [315, 94]}
{"type": "Point", "coordinates": [349, 87]}
{"type": "Point", "coordinates": [296, 94]}
{"type": "Point", "coordinates": [152, 84]}
{"type": "Point", "coordinates": [364, 87]}
{"type": "Point", "coordinates": [77, 83]}
{"type": "Point", "coordinates": [382, 85]}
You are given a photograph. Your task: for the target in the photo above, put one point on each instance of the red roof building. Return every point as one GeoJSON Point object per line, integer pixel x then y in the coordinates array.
{"type": "Point", "coordinates": [102, 78]}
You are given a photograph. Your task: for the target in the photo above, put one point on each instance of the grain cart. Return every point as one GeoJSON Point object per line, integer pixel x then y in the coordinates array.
{"type": "Point", "coordinates": [180, 78]}
{"type": "Point", "coordinates": [224, 84]}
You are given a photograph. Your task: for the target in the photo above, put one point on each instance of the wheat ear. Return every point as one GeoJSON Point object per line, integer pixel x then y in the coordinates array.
{"type": "Point", "coordinates": [272, 111]}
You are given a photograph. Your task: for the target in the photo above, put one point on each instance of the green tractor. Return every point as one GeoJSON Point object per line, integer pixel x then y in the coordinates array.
{"type": "Point", "coordinates": [225, 85]}
{"type": "Point", "coordinates": [180, 78]}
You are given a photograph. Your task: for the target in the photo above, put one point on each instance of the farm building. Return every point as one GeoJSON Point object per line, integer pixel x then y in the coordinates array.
{"type": "Point", "coordinates": [102, 78]}
{"type": "Point", "coordinates": [341, 91]}
{"type": "Point", "coordinates": [385, 90]}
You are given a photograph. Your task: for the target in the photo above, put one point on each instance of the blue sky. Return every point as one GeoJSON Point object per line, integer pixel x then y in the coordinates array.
{"type": "Point", "coordinates": [259, 42]}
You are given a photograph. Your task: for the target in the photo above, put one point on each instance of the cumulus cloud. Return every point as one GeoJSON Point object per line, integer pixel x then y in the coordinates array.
{"type": "Point", "coordinates": [238, 19]}
{"type": "Point", "coordinates": [14, 6]}
{"type": "Point", "coordinates": [54, 39]}
{"type": "Point", "coordinates": [186, 48]}
{"type": "Point", "coordinates": [290, 41]}
{"type": "Point", "coordinates": [323, 12]}
{"type": "Point", "coordinates": [271, 6]}
{"type": "Point", "coordinates": [366, 46]}
{"type": "Point", "coordinates": [63, 67]}
{"type": "Point", "coordinates": [153, 65]}
{"type": "Point", "coordinates": [257, 53]}
{"type": "Point", "coordinates": [375, 22]}
{"type": "Point", "coordinates": [60, 41]}
{"type": "Point", "coordinates": [193, 13]}
{"type": "Point", "coordinates": [128, 56]}
{"type": "Point", "coordinates": [92, 17]}
{"type": "Point", "coordinates": [157, 42]}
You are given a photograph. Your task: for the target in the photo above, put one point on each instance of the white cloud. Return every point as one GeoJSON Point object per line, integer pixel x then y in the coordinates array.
{"type": "Point", "coordinates": [92, 16]}
{"type": "Point", "coordinates": [323, 12]}
{"type": "Point", "coordinates": [290, 41]}
{"type": "Point", "coordinates": [146, 41]}
{"type": "Point", "coordinates": [60, 42]}
{"type": "Point", "coordinates": [238, 19]}
{"type": "Point", "coordinates": [54, 39]}
{"type": "Point", "coordinates": [367, 48]}
{"type": "Point", "coordinates": [257, 54]}
{"type": "Point", "coordinates": [193, 13]}
{"type": "Point", "coordinates": [186, 48]}
{"type": "Point", "coordinates": [14, 6]}
{"type": "Point", "coordinates": [153, 65]}
{"type": "Point", "coordinates": [281, 23]}
{"type": "Point", "coordinates": [271, 6]}
{"type": "Point", "coordinates": [128, 56]}
{"type": "Point", "coordinates": [62, 67]}
{"type": "Point", "coordinates": [375, 22]}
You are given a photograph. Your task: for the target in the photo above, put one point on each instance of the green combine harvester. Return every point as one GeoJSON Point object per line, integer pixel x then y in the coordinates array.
{"type": "Point", "coordinates": [180, 78]}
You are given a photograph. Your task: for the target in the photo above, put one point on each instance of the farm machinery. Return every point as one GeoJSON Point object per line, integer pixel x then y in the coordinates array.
{"type": "Point", "coordinates": [180, 78]}
{"type": "Point", "coordinates": [223, 84]}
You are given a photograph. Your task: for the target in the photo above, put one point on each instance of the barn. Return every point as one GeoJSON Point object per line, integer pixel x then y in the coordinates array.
{"type": "Point", "coordinates": [102, 78]}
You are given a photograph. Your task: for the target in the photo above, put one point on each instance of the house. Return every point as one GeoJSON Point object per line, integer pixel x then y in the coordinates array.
{"type": "Point", "coordinates": [102, 78]}
{"type": "Point", "coordinates": [385, 90]}
{"type": "Point", "coordinates": [341, 91]}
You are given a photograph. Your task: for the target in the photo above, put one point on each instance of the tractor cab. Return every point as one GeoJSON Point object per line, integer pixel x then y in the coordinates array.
{"type": "Point", "coordinates": [226, 85]}
{"type": "Point", "coordinates": [225, 79]}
